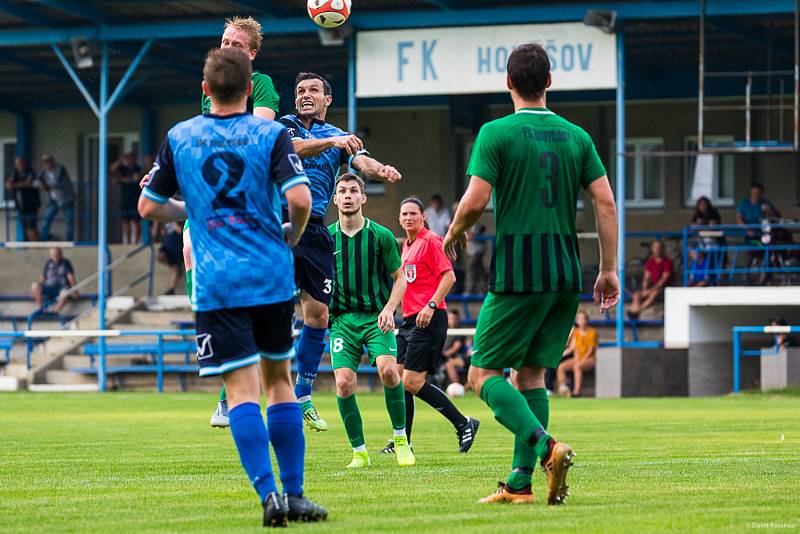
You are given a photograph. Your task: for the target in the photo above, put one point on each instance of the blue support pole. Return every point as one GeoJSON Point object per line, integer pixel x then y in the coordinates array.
{"type": "Point", "coordinates": [352, 122]}
{"type": "Point", "coordinates": [737, 353]}
{"type": "Point", "coordinates": [77, 81]}
{"type": "Point", "coordinates": [102, 208]}
{"type": "Point", "coordinates": [128, 74]}
{"type": "Point", "coordinates": [620, 35]}
{"type": "Point", "coordinates": [24, 136]}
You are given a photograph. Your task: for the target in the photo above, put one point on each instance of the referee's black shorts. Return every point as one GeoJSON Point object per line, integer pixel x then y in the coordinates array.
{"type": "Point", "coordinates": [420, 349]}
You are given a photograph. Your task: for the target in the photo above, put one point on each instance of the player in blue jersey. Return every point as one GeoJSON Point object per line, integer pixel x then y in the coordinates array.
{"type": "Point", "coordinates": [325, 151]}
{"type": "Point", "coordinates": [233, 169]}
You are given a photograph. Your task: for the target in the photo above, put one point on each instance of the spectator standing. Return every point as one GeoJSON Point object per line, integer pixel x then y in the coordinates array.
{"type": "Point", "coordinates": [751, 209]}
{"type": "Point", "coordinates": [126, 174]}
{"type": "Point", "coordinates": [171, 253]}
{"type": "Point", "coordinates": [55, 181]}
{"type": "Point", "coordinates": [580, 355]}
{"type": "Point", "coordinates": [57, 277]}
{"type": "Point", "coordinates": [438, 216]}
{"type": "Point", "coordinates": [476, 251]}
{"type": "Point", "coordinates": [658, 272]}
{"type": "Point", "coordinates": [26, 197]}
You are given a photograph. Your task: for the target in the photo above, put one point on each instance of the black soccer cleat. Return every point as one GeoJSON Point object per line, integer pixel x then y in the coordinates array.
{"type": "Point", "coordinates": [466, 434]}
{"type": "Point", "coordinates": [301, 509]}
{"type": "Point", "coordinates": [275, 512]}
{"type": "Point", "coordinates": [389, 448]}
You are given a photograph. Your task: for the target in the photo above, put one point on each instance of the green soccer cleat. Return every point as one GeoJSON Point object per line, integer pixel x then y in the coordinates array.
{"type": "Point", "coordinates": [405, 456]}
{"type": "Point", "coordinates": [312, 418]}
{"type": "Point", "coordinates": [360, 459]}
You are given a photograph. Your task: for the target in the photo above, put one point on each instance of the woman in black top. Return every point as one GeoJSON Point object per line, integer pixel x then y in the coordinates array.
{"type": "Point", "coordinates": [26, 197]}
{"type": "Point", "coordinates": [705, 213]}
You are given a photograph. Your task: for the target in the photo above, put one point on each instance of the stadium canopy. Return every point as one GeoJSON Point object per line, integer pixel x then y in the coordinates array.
{"type": "Point", "coordinates": [150, 52]}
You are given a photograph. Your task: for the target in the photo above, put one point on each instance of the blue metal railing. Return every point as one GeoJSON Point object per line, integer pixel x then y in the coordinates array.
{"type": "Point", "coordinates": [751, 254]}
{"type": "Point", "coordinates": [738, 352]}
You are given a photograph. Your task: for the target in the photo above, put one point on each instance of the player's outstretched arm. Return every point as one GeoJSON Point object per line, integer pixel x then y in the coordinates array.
{"type": "Point", "coordinates": [170, 211]}
{"type": "Point", "coordinates": [606, 289]}
{"type": "Point", "coordinates": [386, 317]}
{"type": "Point", "coordinates": [307, 148]}
{"type": "Point", "coordinates": [375, 170]}
{"type": "Point", "coordinates": [470, 209]}
{"type": "Point", "coordinates": [299, 201]}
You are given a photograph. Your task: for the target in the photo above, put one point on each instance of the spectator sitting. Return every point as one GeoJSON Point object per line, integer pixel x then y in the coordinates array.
{"type": "Point", "coordinates": [455, 351]}
{"type": "Point", "coordinates": [26, 197]}
{"type": "Point", "coordinates": [705, 213]}
{"type": "Point", "coordinates": [54, 180]}
{"type": "Point", "coordinates": [579, 356]}
{"type": "Point", "coordinates": [438, 216]}
{"type": "Point", "coordinates": [658, 271]}
{"type": "Point", "coordinates": [699, 275]}
{"type": "Point", "coordinates": [751, 210]}
{"type": "Point", "coordinates": [171, 253]}
{"type": "Point", "coordinates": [476, 250]}
{"type": "Point", "coordinates": [57, 277]}
{"type": "Point", "coordinates": [127, 173]}
{"type": "Point", "coordinates": [783, 339]}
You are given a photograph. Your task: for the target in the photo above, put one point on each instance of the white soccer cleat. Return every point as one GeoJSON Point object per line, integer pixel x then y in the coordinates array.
{"type": "Point", "coordinates": [220, 417]}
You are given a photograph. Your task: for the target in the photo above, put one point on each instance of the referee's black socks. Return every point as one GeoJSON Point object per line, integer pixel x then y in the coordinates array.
{"type": "Point", "coordinates": [441, 402]}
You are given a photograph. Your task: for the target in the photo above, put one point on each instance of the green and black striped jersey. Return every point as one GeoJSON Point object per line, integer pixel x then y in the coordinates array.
{"type": "Point", "coordinates": [363, 265]}
{"type": "Point", "coordinates": [536, 162]}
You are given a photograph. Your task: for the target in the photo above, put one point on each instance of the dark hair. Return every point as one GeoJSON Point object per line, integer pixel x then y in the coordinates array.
{"type": "Point", "coordinates": [350, 177]}
{"type": "Point", "coordinates": [227, 72]}
{"type": "Point", "coordinates": [528, 68]}
{"type": "Point", "coordinates": [706, 217]}
{"type": "Point", "coordinates": [707, 201]}
{"type": "Point", "coordinates": [413, 200]}
{"type": "Point", "coordinates": [757, 185]}
{"type": "Point", "coordinates": [454, 311]}
{"type": "Point", "coordinates": [418, 202]}
{"type": "Point", "coordinates": [779, 321]}
{"type": "Point", "coordinates": [438, 198]}
{"type": "Point", "coordinates": [312, 76]}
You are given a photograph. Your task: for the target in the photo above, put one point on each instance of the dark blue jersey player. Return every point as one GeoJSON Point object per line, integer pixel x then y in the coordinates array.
{"type": "Point", "coordinates": [232, 169]}
{"type": "Point", "coordinates": [325, 150]}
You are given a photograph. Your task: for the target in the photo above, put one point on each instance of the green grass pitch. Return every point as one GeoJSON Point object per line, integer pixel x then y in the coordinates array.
{"type": "Point", "coordinates": [125, 462]}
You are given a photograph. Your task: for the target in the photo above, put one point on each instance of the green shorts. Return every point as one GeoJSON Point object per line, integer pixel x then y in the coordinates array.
{"type": "Point", "coordinates": [523, 329]}
{"type": "Point", "coordinates": [351, 332]}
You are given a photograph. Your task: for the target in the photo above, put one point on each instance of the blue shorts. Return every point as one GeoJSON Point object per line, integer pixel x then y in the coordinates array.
{"type": "Point", "coordinates": [313, 262]}
{"type": "Point", "coordinates": [51, 293]}
{"type": "Point", "coordinates": [232, 338]}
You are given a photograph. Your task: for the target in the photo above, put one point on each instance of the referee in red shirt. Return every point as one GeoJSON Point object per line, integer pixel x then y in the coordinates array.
{"type": "Point", "coordinates": [429, 275]}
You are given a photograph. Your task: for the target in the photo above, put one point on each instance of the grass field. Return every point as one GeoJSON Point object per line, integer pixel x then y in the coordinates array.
{"type": "Point", "coordinates": [146, 462]}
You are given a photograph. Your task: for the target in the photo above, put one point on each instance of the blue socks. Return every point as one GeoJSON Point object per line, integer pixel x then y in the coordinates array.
{"type": "Point", "coordinates": [285, 423]}
{"type": "Point", "coordinates": [309, 354]}
{"type": "Point", "coordinates": [252, 442]}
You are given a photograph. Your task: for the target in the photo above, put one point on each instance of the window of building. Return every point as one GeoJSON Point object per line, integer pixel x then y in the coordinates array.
{"type": "Point", "coordinates": [713, 178]}
{"type": "Point", "coordinates": [644, 173]}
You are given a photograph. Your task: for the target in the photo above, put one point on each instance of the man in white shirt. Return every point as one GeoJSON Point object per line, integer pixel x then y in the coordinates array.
{"type": "Point", "coordinates": [438, 216]}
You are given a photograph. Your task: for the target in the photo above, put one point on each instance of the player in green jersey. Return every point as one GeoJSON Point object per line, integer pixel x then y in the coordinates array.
{"type": "Point", "coordinates": [366, 258]}
{"type": "Point", "coordinates": [533, 162]}
{"type": "Point", "coordinates": [243, 33]}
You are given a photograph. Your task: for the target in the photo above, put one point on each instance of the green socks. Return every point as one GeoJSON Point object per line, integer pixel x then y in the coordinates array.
{"type": "Point", "coordinates": [222, 394]}
{"type": "Point", "coordinates": [396, 405]}
{"type": "Point", "coordinates": [524, 455]}
{"type": "Point", "coordinates": [348, 409]}
{"type": "Point", "coordinates": [511, 410]}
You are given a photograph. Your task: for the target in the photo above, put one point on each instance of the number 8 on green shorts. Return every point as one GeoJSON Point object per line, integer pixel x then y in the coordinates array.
{"type": "Point", "coordinates": [351, 332]}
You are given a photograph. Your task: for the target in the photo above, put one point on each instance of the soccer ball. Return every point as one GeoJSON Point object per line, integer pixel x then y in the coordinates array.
{"type": "Point", "coordinates": [329, 13]}
{"type": "Point", "coordinates": [455, 390]}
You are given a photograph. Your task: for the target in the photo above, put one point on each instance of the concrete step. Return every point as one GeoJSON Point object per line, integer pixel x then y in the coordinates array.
{"type": "Point", "coordinates": [60, 376]}
{"type": "Point", "coordinates": [17, 370]}
{"type": "Point", "coordinates": [161, 319]}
